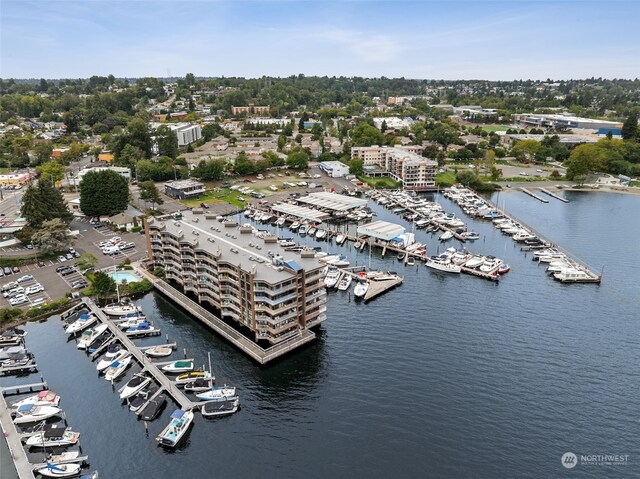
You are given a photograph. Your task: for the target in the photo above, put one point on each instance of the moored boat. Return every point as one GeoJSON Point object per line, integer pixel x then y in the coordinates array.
{"type": "Point", "coordinates": [121, 309]}
{"type": "Point", "coordinates": [83, 322]}
{"type": "Point", "coordinates": [159, 351]}
{"type": "Point", "coordinates": [89, 335]}
{"type": "Point", "coordinates": [59, 470]}
{"type": "Point", "coordinates": [137, 383]}
{"type": "Point", "coordinates": [217, 394]}
{"type": "Point", "coordinates": [153, 408]}
{"type": "Point", "coordinates": [361, 288]}
{"type": "Point", "coordinates": [117, 369]}
{"type": "Point", "coordinates": [220, 408]}
{"type": "Point", "coordinates": [31, 413]}
{"type": "Point", "coordinates": [176, 429]}
{"type": "Point", "coordinates": [179, 366]}
{"type": "Point", "coordinates": [105, 363]}
{"type": "Point", "coordinates": [442, 265]}
{"type": "Point", "coordinates": [345, 282]}
{"type": "Point", "coordinates": [53, 437]}
{"type": "Point", "coordinates": [43, 398]}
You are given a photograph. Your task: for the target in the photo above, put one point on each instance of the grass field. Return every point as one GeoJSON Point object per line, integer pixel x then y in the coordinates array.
{"type": "Point", "coordinates": [384, 183]}
{"type": "Point", "coordinates": [211, 197]}
{"type": "Point", "coordinates": [447, 178]}
{"type": "Point", "coordinates": [490, 128]}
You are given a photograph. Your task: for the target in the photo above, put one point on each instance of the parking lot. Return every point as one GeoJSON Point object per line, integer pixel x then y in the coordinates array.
{"type": "Point", "coordinates": [22, 284]}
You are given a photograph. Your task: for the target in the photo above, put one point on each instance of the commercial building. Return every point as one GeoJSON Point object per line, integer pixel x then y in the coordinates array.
{"type": "Point", "coordinates": [250, 110]}
{"type": "Point", "coordinates": [563, 121]}
{"type": "Point", "coordinates": [16, 179]}
{"type": "Point", "coordinates": [185, 132]}
{"type": "Point", "coordinates": [335, 169]}
{"type": "Point", "coordinates": [122, 171]}
{"type": "Point", "coordinates": [273, 294]}
{"type": "Point", "coordinates": [404, 164]}
{"type": "Point", "coordinates": [184, 189]}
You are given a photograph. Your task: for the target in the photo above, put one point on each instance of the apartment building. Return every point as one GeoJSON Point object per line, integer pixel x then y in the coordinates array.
{"type": "Point", "coordinates": [246, 276]}
{"type": "Point", "coordinates": [250, 110]}
{"type": "Point", "coordinates": [402, 163]}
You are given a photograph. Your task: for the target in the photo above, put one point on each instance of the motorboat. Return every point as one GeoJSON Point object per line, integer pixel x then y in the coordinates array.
{"type": "Point", "coordinates": [190, 376]}
{"type": "Point", "coordinates": [332, 277]}
{"type": "Point", "coordinates": [137, 383]}
{"type": "Point", "coordinates": [312, 231]}
{"type": "Point", "coordinates": [59, 470]}
{"type": "Point", "coordinates": [470, 235]}
{"type": "Point", "coordinates": [83, 322]}
{"type": "Point", "coordinates": [131, 321]}
{"type": "Point", "coordinates": [504, 268]}
{"type": "Point", "coordinates": [159, 351]}
{"type": "Point", "coordinates": [345, 282]}
{"type": "Point", "coordinates": [153, 408]}
{"type": "Point", "coordinates": [31, 413]}
{"type": "Point", "coordinates": [63, 457]}
{"type": "Point", "coordinates": [43, 398]}
{"type": "Point", "coordinates": [105, 363]}
{"type": "Point", "coordinates": [281, 221]}
{"type": "Point", "coordinates": [139, 399]}
{"type": "Point", "coordinates": [341, 238]}
{"type": "Point", "coordinates": [410, 261]}
{"type": "Point", "coordinates": [220, 408]}
{"type": "Point", "coordinates": [361, 288]}
{"type": "Point", "coordinates": [180, 366]}
{"type": "Point", "coordinates": [576, 275]}
{"type": "Point", "coordinates": [475, 262]}
{"type": "Point", "coordinates": [294, 226]}
{"type": "Point", "coordinates": [217, 394]}
{"type": "Point", "coordinates": [342, 261]}
{"type": "Point", "coordinates": [447, 235]}
{"type": "Point", "coordinates": [320, 254]}
{"type": "Point", "coordinates": [117, 369]}
{"type": "Point", "coordinates": [401, 256]}
{"type": "Point", "coordinates": [321, 234]}
{"type": "Point", "coordinates": [442, 265]}
{"type": "Point", "coordinates": [98, 342]}
{"type": "Point", "coordinates": [113, 350]}
{"type": "Point", "coordinates": [199, 385]}
{"type": "Point", "coordinates": [121, 309]}
{"type": "Point", "coordinates": [88, 335]}
{"type": "Point", "coordinates": [141, 329]}
{"type": "Point", "coordinates": [10, 352]}
{"type": "Point", "coordinates": [53, 437]}
{"type": "Point", "coordinates": [490, 265]}
{"type": "Point", "coordinates": [176, 429]}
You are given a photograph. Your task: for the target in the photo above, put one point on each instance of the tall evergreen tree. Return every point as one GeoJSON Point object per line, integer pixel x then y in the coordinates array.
{"type": "Point", "coordinates": [630, 127]}
{"type": "Point", "coordinates": [43, 202]}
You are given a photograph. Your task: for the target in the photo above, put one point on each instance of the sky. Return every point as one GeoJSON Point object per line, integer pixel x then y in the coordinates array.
{"type": "Point", "coordinates": [427, 39]}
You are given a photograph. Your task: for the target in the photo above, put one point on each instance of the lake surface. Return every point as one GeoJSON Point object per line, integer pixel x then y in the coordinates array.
{"type": "Point", "coordinates": [445, 376]}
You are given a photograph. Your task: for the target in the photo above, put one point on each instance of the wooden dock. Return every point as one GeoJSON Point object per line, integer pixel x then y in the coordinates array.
{"type": "Point", "coordinates": [491, 276]}
{"type": "Point", "coordinates": [23, 467]}
{"type": "Point", "coordinates": [376, 288]}
{"type": "Point", "coordinates": [24, 388]}
{"type": "Point", "coordinates": [533, 195]}
{"type": "Point", "coordinates": [553, 195]}
{"type": "Point", "coordinates": [148, 365]}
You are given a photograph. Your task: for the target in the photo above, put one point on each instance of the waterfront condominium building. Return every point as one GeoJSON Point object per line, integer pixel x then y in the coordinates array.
{"type": "Point", "coordinates": [246, 276]}
{"type": "Point", "coordinates": [403, 164]}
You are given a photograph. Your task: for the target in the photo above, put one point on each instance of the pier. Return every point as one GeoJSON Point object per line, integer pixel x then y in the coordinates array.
{"type": "Point", "coordinates": [249, 347]}
{"type": "Point", "coordinates": [376, 288]}
{"type": "Point", "coordinates": [24, 388]}
{"type": "Point", "coordinates": [533, 195]}
{"type": "Point", "coordinates": [23, 467]}
{"type": "Point", "coordinates": [553, 195]}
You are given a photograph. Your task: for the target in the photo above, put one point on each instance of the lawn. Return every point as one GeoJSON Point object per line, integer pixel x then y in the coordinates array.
{"type": "Point", "coordinates": [384, 183]}
{"type": "Point", "coordinates": [490, 128]}
{"type": "Point", "coordinates": [211, 197]}
{"type": "Point", "coordinates": [446, 179]}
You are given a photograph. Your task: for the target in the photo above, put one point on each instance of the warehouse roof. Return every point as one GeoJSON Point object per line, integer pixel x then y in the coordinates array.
{"type": "Point", "coordinates": [332, 201]}
{"type": "Point", "coordinates": [381, 230]}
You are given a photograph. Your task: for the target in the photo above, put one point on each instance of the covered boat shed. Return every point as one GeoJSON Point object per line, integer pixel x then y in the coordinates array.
{"type": "Point", "coordinates": [332, 201]}
{"type": "Point", "coordinates": [301, 212]}
{"type": "Point", "coordinates": [381, 230]}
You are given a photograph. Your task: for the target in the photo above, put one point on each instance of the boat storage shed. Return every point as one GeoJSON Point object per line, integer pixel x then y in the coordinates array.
{"type": "Point", "coordinates": [301, 212]}
{"type": "Point", "coordinates": [382, 230]}
{"type": "Point", "coordinates": [332, 201]}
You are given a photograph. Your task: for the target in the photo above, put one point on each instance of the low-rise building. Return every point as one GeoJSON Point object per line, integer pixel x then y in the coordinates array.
{"type": "Point", "coordinates": [17, 179]}
{"type": "Point", "coordinates": [404, 164]}
{"type": "Point", "coordinates": [183, 189]}
{"type": "Point", "coordinates": [273, 294]}
{"type": "Point", "coordinates": [335, 169]}
{"type": "Point", "coordinates": [121, 170]}
{"type": "Point", "coordinates": [250, 110]}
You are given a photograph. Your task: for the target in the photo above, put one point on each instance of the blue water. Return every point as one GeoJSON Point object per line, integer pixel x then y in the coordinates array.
{"type": "Point", "coordinates": [124, 276]}
{"type": "Point", "coordinates": [445, 376]}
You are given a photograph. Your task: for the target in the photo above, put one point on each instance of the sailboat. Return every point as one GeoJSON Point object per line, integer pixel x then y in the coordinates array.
{"type": "Point", "coordinates": [60, 470]}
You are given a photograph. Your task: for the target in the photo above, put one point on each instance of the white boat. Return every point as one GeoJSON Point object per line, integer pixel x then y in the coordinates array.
{"type": "Point", "coordinates": [137, 383]}
{"type": "Point", "coordinates": [176, 429]}
{"type": "Point", "coordinates": [105, 363]}
{"type": "Point", "coordinates": [576, 275]}
{"type": "Point", "coordinates": [446, 236]}
{"type": "Point", "coordinates": [31, 413]}
{"type": "Point", "coordinates": [345, 282]}
{"type": "Point", "coordinates": [444, 266]}
{"type": "Point", "coordinates": [340, 238]}
{"type": "Point", "coordinates": [217, 394]}
{"type": "Point", "coordinates": [60, 470]}
{"type": "Point", "coordinates": [410, 261]}
{"type": "Point", "coordinates": [121, 309]}
{"type": "Point", "coordinates": [321, 254]}
{"type": "Point", "coordinates": [341, 261]}
{"type": "Point", "coordinates": [159, 351]}
{"type": "Point", "coordinates": [89, 335]}
{"type": "Point", "coordinates": [332, 277]}
{"type": "Point", "coordinates": [43, 398]}
{"type": "Point", "coordinates": [180, 366]}
{"type": "Point", "coordinates": [281, 221]}
{"type": "Point", "coordinates": [470, 235]}
{"type": "Point", "coordinates": [117, 369]}
{"type": "Point", "coordinates": [132, 321]}
{"type": "Point", "coordinates": [83, 322]}
{"type": "Point", "coordinates": [53, 437]}
{"type": "Point", "coordinates": [64, 456]}
{"type": "Point", "coordinates": [490, 265]}
{"type": "Point", "coordinates": [321, 234]}
{"type": "Point", "coordinates": [294, 226]}
{"type": "Point", "coordinates": [302, 230]}
{"type": "Point", "coordinates": [475, 261]}
{"type": "Point", "coordinates": [220, 408]}
{"type": "Point", "coordinates": [361, 288]}
{"type": "Point", "coordinates": [113, 350]}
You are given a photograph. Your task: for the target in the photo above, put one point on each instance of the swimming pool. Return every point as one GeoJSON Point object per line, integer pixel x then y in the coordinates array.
{"type": "Point", "coordinates": [124, 276]}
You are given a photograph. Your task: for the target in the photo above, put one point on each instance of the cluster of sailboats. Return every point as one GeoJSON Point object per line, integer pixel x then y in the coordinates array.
{"type": "Point", "coordinates": [561, 267]}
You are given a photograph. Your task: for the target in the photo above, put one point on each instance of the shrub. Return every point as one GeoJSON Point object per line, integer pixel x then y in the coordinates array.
{"type": "Point", "coordinates": [49, 307]}
{"type": "Point", "coordinates": [9, 314]}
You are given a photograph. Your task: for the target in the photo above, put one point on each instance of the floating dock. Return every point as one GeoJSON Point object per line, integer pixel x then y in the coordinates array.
{"type": "Point", "coordinates": [23, 467]}
{"type": "Point", "coordinates": [533, 195]}
{"type": "Point", "coordinates": [24, 388]}
{"type": "Point", "coordinates": [553, 195]}
{"type": "Point", "coordinates": [376, 288]}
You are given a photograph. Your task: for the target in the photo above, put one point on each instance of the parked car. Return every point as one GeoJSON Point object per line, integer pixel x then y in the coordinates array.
{"type": "Point", "coordinates": [7, 271]}
{"type": "Point", "coordinates": [72, 251]}
{"type": "Point", "coordinates": [67, 272]}
{"type": "Point", "coordinates": [18, 300]}
{"type": "Point", "coordinates": [8, 286]}
{"type": "Point", "coordinates": [13, 292]}
{"type": "Point", "coordinates": [126, 246]}
{"type": "Point", "coordinates": [69, 256]}
{"type": "Point", "coordinates": [62, 259]}
{"type": "Point", "coordinates": [36, 288]}
{"type": "Point", "coordinates": [81, 283]}
{"type": "Point", "coordinates": [16, 269]}
{"type": "Point", "coordinates": [25, 278]}
{"type": "Point", "coordinates": [62, 268]}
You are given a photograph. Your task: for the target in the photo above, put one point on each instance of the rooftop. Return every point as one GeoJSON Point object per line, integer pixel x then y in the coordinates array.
{"type": "Point", "coordinates": [183, 184]}
{"type": "Point", "coordinates": [300, 212]}
{"type": "Point", "coordinates": [381, 229]}
{"type": "Point", "coordinates": [332, 201]}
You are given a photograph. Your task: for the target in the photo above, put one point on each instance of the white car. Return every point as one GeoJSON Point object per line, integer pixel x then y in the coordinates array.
{"type": "Point", "coordinates": [523, 173]}
{"type": "Point", "coordinates": [115, 239]}
{"type": "Point", "coordinates": [62, 259]}
{"type": "Point", "coordinates": [13, 292]}
{"type": "Point", "coordinates": [317, 176]}
{"type": "Point", "coordinates": [72, 251]}
{"type": "Point", "coordinates": [36, 288]}
{"type": "Point", "coordinates": [17, 300]}
{"type": "Point", "coordinates": [8, 286]}
{"type": "Point", "coordinates": [25, 278]}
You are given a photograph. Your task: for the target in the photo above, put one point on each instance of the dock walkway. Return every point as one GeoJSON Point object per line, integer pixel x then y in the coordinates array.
{"type": "Point", "coordinates": [23, 467]}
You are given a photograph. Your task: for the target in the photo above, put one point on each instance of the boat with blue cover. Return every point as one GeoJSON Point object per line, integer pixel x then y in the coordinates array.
{"type": "Point", "coordinates": [176, 429]}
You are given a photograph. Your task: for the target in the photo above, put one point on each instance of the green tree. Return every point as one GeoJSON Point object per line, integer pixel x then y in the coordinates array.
{"type": "Point", "coordinates": [42, 152]}
{"type": "Point", "coordinates": [150, 194]}
{"type": "Point", "coordinates": [51, 171]}
{"type": "Point", "coordinates": [282, 141]}
{"type": "Point", "coordinates": [366, 135]}
{"type": "Point", "coordinates": [167, 141]}
{"type": "Point", "coordinates": [103, 193]}
{"type": "Point", "coordinates": [356, 167]}
{"type": "Point", "coordinates": [243, 165]}
{"type": "Point", "coordinates": [211, 130]}
{"type": "Point", "coordinates": [298, 159]}
{"type": "Point", "coordinates": [585, 159]}
{"type": "Point", "coordinates": [630, 127]}
{"type": "Point", "coordinates": [526, 150]}
{"type": "Point", "coordinates": [273, 158]}
{"type": "Point", "coordinates": [103, 285]}
{"type": "Point", "coordinates": [86, 261]}
{"type": "Point", "coordinates": [53, 236]}
{"type": "Point", "coordinates": [42, 202]}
